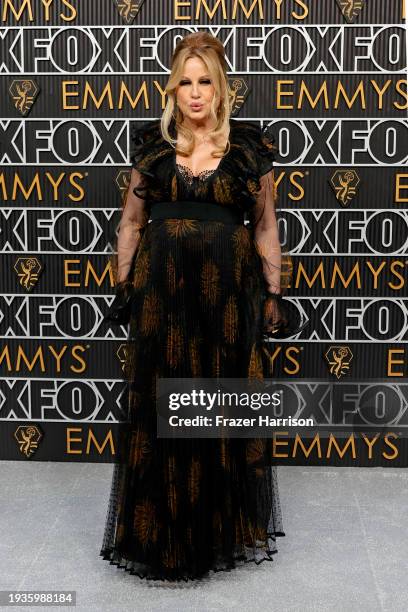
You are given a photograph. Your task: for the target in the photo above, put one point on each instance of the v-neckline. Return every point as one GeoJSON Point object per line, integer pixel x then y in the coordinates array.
{"type": "Point", "coordinates": [213, 170]}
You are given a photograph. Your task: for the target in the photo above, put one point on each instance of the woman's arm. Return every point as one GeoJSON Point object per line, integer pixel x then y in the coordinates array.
{"type": "Point", "coordinates": [266, 234]}
{"type": "Point", "coordinates": [134, 217]}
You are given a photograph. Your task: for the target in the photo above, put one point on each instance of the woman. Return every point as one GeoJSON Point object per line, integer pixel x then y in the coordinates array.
{"type": "Point", "coordinates": [204, 287]}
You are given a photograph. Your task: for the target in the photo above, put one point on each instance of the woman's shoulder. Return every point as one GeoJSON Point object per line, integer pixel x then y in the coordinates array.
{"type": "Point", "coordinates": [147, 144]}
{"type": "Point", "coordinates": [255, 142]}
{"type": "Point", "coordinates": [144, 130]}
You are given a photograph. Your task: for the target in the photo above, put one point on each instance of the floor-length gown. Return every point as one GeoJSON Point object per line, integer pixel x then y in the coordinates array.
{"type": "Point", "coordinates": [181, 507]}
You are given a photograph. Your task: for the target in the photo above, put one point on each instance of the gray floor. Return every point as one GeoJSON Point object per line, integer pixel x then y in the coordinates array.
{"type": "Point", "coordinates": [346, 544]}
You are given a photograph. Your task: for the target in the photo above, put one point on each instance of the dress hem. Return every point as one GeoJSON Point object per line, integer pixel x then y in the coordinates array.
{"type": "Point", "coordinates": [111, 555]}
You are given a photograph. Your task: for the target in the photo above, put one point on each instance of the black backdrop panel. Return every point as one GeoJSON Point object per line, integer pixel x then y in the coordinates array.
{"type": "Point", "coordinates": [329, 77]}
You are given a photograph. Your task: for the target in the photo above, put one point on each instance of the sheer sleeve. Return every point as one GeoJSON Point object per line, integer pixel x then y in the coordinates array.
{"type": "Point", "coordinates": [276, 262]}
{"type": "Point", "coordinates": [266, 234]}
{"type": "Point", "coordinates": [135, 217]}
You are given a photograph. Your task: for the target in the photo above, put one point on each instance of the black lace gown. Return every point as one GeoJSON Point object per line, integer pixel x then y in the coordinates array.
{"type": "Point", "coordinates": [181, 507]}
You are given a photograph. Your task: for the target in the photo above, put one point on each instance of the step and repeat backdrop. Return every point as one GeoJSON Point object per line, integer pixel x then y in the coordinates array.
{"type": "Point", "coordinates": [330, 78]}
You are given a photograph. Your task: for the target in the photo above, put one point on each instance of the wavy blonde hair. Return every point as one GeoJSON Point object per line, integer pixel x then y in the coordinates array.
{"type": "Point", "coordinates": [211, 51]}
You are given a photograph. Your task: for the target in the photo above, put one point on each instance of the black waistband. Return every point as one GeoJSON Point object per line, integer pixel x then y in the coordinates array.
{"type": "Point", "coordinates": [202, 211]}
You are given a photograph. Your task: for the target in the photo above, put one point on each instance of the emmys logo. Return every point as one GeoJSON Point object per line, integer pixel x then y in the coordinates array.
{"type": "Point", "coordinates": [128, 9]}
{"type": "Point", "coordinates": [351, 9]}
{"type": "Point", "coordinates": [24, 93]}
{"type": "Point", "coordinates": [338, 358]}
{"type": "Point", "coordinates": [344, 183]}
{"type": "Point", "coordinates": [122, 181]}
{"type": "Point", "coordinates": [123, 355]}
{"type": "Point", "coordinates": [28, 437]}
{"type": "Point", "coordinates": [28, 269]}
{"type": "Point", "coordinates": [239, 91]}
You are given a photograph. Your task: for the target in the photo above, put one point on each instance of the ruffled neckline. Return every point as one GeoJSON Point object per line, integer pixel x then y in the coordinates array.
{"type": "Point", "coordinates": [250, 156]}
{"type": "Point", "coordinates": [149, 132]}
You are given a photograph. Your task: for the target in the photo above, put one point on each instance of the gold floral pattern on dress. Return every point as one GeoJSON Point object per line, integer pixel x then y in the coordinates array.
{"type": "Point", "coordinates": [222, 189]}
{"type": "Point", "coordinates": [172, 494]}
{"type": "Point", "coordinates": [216, 361]}
{"type": "Point", "coordinates": [142, 271]}
{"type": "Point", "coordinates": [242, 244]}
{"type": "Point", "coordinates": [174, 188]}
{"type": "Point", "coordinates": [177, 228]}
{"type": "Point", "coordinates": [255, 364]}
{"type": "Point", "coordinates": [140, 447]}
{"type": "Point", "coordinates": [260, 533]}
{"type": "Point", "coordinates": [145, 524]}
{"type": "Point", "coordinates": [260, 472]}
{"type": "Point", "coordinates": [174, 345]}
{"type": "Point", "coordinates": [210, 282]}
{"type": "Point", "coordinates": [231, 320]}
{"type": "Point", "coordinates": [243, 251]}
{"type": "Point", "coordinates": [171, 274]}
{"type": "Point", "coordinates": [151, 316]}
{"type": "Point", "coordinates": [248, 532]}
{"type": "Point", "coordinates": [194, 476]}
{"type": "Point", "coordinates": [195, 359]}
{"type": "Point", "coordinates": [255, 451]}
{"type": "Point", "coordinates": [212, 231]}
{"type": "Point", "coordinates": [224, 453]}
{"type": "Point", "coordinates": [173, 555]}
{"type": "Point", "coordinates": [120, 532]}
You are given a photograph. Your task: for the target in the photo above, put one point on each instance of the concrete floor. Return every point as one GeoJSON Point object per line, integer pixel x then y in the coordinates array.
{"type": "Point", "coordinates": [346, 544]}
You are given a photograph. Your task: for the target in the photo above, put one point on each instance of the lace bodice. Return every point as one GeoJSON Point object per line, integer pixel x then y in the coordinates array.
{"type": "Point", "coordinates": [189, 177]}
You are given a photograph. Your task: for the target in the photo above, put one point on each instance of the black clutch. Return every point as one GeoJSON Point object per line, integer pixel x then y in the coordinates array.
{"type": "Point", "coordinates": [120, 310]}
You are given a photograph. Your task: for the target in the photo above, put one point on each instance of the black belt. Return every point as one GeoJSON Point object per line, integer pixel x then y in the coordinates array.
{"type": "Point", "coordinates": [202, 211]}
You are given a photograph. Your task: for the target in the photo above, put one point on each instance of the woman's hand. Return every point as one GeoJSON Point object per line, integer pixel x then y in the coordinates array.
{"type": "Point", "coordinates": [274, 317]}
{"type": "Point", "coordinates": [278, 321]}
{"type": "Point", "coordinates": [119, 312]}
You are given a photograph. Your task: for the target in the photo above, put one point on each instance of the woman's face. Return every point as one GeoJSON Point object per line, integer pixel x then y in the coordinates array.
{"type": "Point", "coordinates": [195, 90]}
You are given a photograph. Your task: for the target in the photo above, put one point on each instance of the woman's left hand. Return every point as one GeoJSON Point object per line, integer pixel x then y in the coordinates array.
{"type": "Point", "coordinates": [278, 322]}
{"type": "Point", "coordinates": [119, 312]}
{"type": "Point", "coordinates": [274, 316]}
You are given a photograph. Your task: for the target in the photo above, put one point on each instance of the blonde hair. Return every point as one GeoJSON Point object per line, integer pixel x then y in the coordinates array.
{"type": "Point", "coordinates": [211, 51]}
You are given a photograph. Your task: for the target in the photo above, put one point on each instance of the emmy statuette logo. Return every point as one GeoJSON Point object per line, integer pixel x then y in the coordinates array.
{"type": "Point", "coordinates": [128, 9]}
{"type": "Point", "coordinates": [28, 437]}
{"type": "Point", "coordinates": [23, 92]}
{"type": "Point", "coordinates": [338, 358]}
{"type": "Point", "coordinates": [345, 183]}
{"type": "Point", "coordinates": [351, 9]}
{"type": "Point", "coordinates": [123, 355]}
{"type": "Point", "coordinates": [122, 181]}
{"type": "Point", "coordinates": [239, 91]}
{"type": "Point", "coordinates": [28, 270]}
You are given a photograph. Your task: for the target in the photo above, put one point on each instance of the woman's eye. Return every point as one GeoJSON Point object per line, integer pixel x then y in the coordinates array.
{"type": "Point", "coordinates": [204, 81]}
